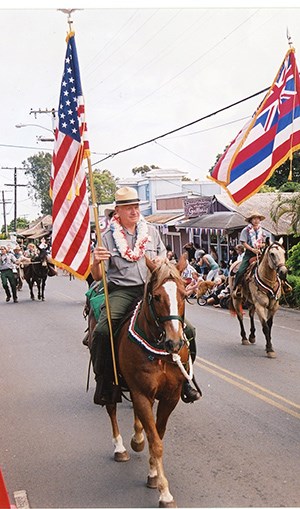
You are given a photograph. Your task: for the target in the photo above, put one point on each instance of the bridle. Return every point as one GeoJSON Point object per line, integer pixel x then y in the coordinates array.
{"type": "Point", "coordinates": [159, 320]}
{"type": "Point", "coordinates": [279, 265]}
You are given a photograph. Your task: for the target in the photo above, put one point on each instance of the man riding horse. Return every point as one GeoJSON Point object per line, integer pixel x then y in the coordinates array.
{"type": "Point", "coordinates": [124, 246]}
{"type": "Point", "coordinates": [252, 239]}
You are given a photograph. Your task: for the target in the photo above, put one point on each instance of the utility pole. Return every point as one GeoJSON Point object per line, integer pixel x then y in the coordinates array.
{"type": "Point", "coordinates": [53, 112]}
{"type": "Point", "coordinates": [4, 202]}
{"type": "Point", "coordinates": [15, 185]}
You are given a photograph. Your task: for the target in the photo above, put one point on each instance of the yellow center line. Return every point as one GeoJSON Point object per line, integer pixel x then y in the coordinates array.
{"type": "Point", "coordinates": [233, 379]}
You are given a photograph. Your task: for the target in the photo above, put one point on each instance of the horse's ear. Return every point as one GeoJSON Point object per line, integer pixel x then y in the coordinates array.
{"type": "Point", "coordinates": [181, 264]}
{"type": "Point", "coordinates": [280, 241]}
{"type": "Point", "coordinates": [150, 264]}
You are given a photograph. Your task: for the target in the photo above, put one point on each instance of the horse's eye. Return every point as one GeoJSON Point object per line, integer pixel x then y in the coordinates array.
{"type": "Point", "coordinates": [157, 298]}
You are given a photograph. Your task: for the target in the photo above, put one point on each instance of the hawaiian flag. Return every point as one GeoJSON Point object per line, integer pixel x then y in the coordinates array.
{"type": "Point", "coordinates": [267, 140]}
{"type": "Point", "coordinates": [68, 187]}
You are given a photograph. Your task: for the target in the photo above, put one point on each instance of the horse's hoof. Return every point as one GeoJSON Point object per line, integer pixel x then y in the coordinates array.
{"type": "Point", "coordinates": [137, 446]}
{"type": "Point", "coordinates": [152, 483]}
{"type": "Point", "coordinates": [271, 355]}
{"type": "Point", "coordinates": [167, 504]}
{"type": "Point", "coordinates": [121, 456]}
{"type": "Point", "coordinates": [245, 342]}
{"type": "Point", "coordinates": [252, 340]}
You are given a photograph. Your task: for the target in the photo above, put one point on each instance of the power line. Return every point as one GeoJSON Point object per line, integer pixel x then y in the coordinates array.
{"type": "Point", "coordinates": [180, 128]}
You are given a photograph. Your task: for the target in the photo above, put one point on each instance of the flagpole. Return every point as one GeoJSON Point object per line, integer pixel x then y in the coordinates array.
{"type": "Point", "coordinates": [290, 175]}
{"type": "Point", "coordinates": [98, 234]}
{"type": "Point", "coordinates": [99, 242]}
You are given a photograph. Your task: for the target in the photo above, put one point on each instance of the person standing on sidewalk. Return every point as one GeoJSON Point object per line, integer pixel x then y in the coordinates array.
{"type": "Point", "coordinates": [7, 263]}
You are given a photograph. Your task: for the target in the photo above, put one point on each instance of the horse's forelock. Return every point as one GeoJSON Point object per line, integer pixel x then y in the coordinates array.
{"type": "Point", "coordinates": [164, 272]}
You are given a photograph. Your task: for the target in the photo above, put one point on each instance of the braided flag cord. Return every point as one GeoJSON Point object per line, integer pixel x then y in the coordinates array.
{"type": "Point", "coordinates": [68, 186]}
{"type": "Point", "coordinates": [267, 140]}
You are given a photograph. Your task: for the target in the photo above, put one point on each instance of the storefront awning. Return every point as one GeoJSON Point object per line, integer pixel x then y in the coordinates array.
{"type": "Point", "coordinates": [218, 220]}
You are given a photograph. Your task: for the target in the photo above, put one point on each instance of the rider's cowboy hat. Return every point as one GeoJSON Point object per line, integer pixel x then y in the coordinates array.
{"type": "Point", "coordinates": [126, 196]}
{"type": "Point", "coordinates": [253, 214]}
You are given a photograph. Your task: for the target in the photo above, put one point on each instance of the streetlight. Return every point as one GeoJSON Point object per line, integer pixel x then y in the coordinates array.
{"type": "Point", "coordinates": [34, 125]}
{"type": "Point", "coordinates": [39, 138]}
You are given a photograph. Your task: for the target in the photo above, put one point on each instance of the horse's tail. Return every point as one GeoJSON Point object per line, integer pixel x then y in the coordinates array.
{"type": "Point", "coordinates": [231, 307]}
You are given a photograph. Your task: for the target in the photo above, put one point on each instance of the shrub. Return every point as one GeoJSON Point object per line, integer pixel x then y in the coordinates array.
{"type": "Point", "coordinates": [292, 299]}
{"type": "Point", "coordinates": [293, 261]}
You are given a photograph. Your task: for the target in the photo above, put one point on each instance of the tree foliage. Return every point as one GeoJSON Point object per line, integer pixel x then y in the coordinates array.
{"type": "Point", "coordinates": [280, 176]}
{"type": "Point", "coordinates": [22, 223]}
{"type": "Point", "coordinates": [293, 261]}
{"type": "Point", "coordinates": [144, 169]}
{"type": "Point", "coordinates": [287, 205]}
{"type": "Point", "coordinates": [105, 185]}
{"type": "Point", "coordinates": [38, 171]}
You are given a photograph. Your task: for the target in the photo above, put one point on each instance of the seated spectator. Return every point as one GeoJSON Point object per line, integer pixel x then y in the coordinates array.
{"type": "Point", "coordinates": [220, 284]}
{"type": "Point", "coordinates": [223, 268]}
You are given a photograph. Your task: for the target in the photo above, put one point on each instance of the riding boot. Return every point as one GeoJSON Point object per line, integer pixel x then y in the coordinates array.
{"type": "Point", "coordinates": [188, 394]}
{"type": "Point", "coordinates": [106, 391]}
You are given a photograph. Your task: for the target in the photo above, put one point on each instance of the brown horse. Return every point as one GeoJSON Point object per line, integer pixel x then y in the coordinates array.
{"type": "Point", "coordinates": [261, 291]}
{"type": "Point", "coordinates": [153, 357]}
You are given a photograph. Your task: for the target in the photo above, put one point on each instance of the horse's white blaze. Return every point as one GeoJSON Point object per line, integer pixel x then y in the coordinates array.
{"type": "Point", "coordinates": [118, 443]}
{"type": "Point", "coordinates": [171, 290]}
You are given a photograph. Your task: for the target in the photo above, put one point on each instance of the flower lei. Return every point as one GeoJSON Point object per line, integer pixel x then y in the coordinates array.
{"type": "Point", "coordinates": [255, 236]}
{"type": "Point", "coordinates": [132, 255]}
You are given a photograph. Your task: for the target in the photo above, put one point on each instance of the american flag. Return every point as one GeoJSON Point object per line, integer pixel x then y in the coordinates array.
{"type": "Point", "coordinates": [68, 188]}
{"type": "Point", "coordinates": [267, 140]}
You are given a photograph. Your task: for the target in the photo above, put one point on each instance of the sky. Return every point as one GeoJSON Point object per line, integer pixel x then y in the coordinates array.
{"type": "Point", "coordinates": [146, 69]}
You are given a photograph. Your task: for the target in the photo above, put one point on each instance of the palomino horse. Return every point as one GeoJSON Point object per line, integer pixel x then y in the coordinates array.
{"type": "Point", "coordinates": [37, 272]}
{"type": "Point", "coordinates": [261, 291]}
{"type": "Point", "coordinates": [152, 353]}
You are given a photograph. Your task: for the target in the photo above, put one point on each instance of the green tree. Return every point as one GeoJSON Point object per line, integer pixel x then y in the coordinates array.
{"type": "Point", "coordinates": [105, 186]}
{"type": "Point", "coordinates": [287, 205]}
{"type": "Point", "coordinates": [38, 171]}
{"type": "Point", "coordinates": [22, 223]}
{"type": "Point", "coordinates": [267, 189]}
{"type": "Point", "coordinates": [290, 187]}
{"type": "Point", "coordinates": [293, 262]}
{"type": "Point", "coordinates": [280, 176]}
{"type": "Point", "coordinates": [144, 169]}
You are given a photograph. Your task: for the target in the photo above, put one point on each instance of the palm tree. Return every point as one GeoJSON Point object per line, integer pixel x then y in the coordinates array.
{"type": "Point", "coordinates": [289, 205]}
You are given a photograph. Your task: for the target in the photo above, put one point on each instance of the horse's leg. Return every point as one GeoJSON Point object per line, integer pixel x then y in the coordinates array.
{"type": "Point", "coordinates": [266, 327]}
{"type": "Point", "coordinates": [38, 284]}
{"type": "Point", "coordinates": [252, 325]}
{"type": "Point", "coordinates": [237, 304]}
{"type": "Point", "coordinates": [43, 288]}
{"type": "Point", "coordinates": [30, 284]}
{"type": "Point", "coordinates": [120, 453]}
{"type": "Point", "coordinates": [143, 408]}
{"type": "Point", "coordinates": [137, 439]}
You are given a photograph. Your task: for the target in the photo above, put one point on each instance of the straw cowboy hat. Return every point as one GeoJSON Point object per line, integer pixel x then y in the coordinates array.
{"type": "Point", "coordinates": [253, 214]}
{"type": "Point", "coordinates": [126, 196]}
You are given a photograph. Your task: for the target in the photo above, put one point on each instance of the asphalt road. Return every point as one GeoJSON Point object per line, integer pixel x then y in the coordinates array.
{"type": "Point", "coordinates": [237, 447]}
